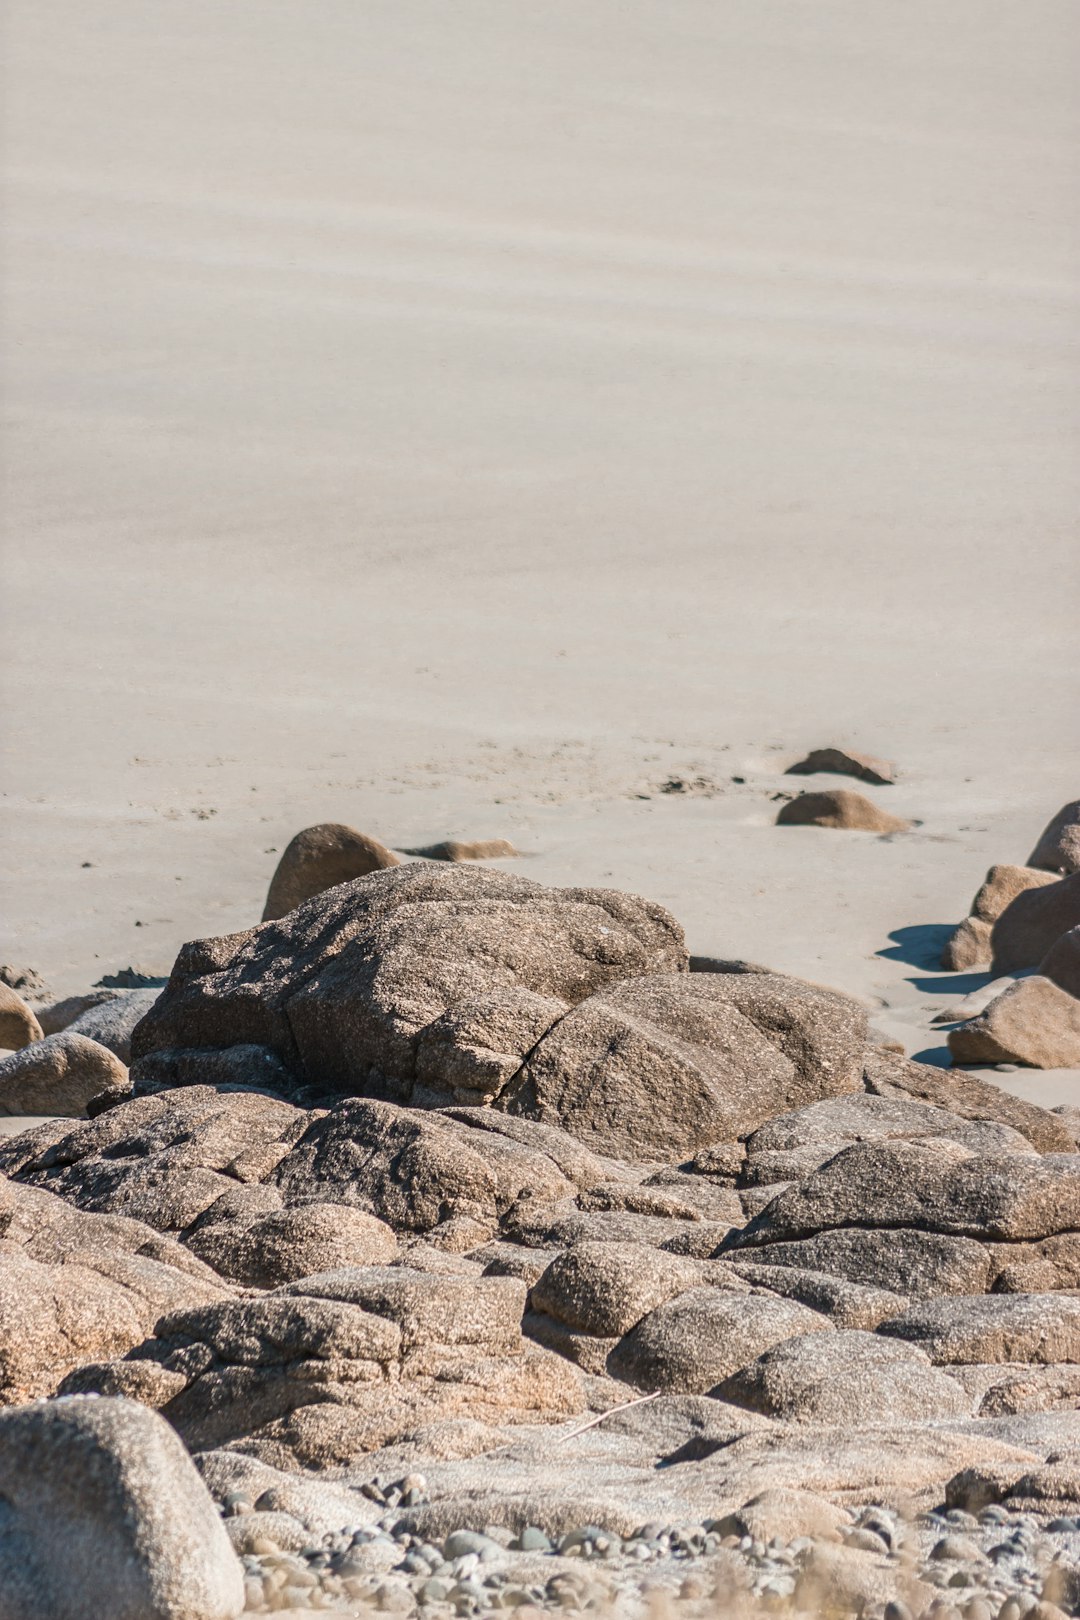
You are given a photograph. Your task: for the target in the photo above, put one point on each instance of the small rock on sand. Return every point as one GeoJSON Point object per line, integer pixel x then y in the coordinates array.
{"type": "Point", "coordinates": [844, 762]}
{"type": "Point", "coordinates": [453, 849]}
{"type": "Point", "coordinates": [839, 807]}
{"type": "Point", "coordinates": [58, 1075]}
{"type": "Point", "coordinates": [1058, 849]}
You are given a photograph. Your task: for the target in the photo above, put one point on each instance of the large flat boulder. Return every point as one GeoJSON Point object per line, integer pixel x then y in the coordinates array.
{"type": "Point", "coordinates": [931, 1185]}
{"type": "Point", "coordinates": [903, 1260]}
{"type": "Point", "coordinates": [888, 1074]}
{"type": "Point", "coordinates": [862, 1117]}
{"type": "Point", "coordinates": [345, 989]}
{"type": "Point", "coordinates": [104, 1514]}
{"type": "Point", "coordinates": [1042, 1328]}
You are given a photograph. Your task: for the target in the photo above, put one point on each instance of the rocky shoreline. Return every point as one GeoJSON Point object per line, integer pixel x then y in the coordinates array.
{"type": "Point", "coordinates": [450, 1243]}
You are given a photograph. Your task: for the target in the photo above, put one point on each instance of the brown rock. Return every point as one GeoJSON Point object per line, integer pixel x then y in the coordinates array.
{"type": "Point", "coordinates": [105, 1515]}
{"type": "Point", "coordinates": [1058, 849]}
{"type": "Point", "coordinates": [970, 945]}
{"type": "Point", "coordinates": [842, 808]}
{"type": "Point", "coordinates": [658, 1067]}
{"type": "Point", "coordinates": [344, 987]}
{"type": "Point", "coordinates": [605, 1288]}
{"type": "Point", "coordinates": [18, 1025]}
{"type": "Point", "coordinates": [845, 762]}
{"type": "Point", "coordinates": [1032, 923]}
{"type": "Point", "coordinates": [453, 849]}
{"type": "Point", "coordinates": [693, 1342]}
{"type": "Point", "coordinates": [886, 1075]}
{"type": "Point", "coordinates": [58, 1075]}
{"type": "Point", "coordinates": [1034, 1022]}
{"type": "Point", "coordinates": [283, 1245]}
{"type": "Point", "coordinates": [319, 858]}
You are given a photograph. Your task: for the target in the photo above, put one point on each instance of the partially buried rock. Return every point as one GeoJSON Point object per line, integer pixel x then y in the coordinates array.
{"type": "Point", "coordinates": [104, 1514]}
{"type": "Point", "coordinates": [58, 1075]}
{"type": "Point", "coordinates": [320, 858]}
{"type": "Point", "coordinates": [993, 1328]}
{"type": "Point", "coordinates": [18, 1025]}
{"type": "Point", "coordinates": [885, 1074]}
{"type": "Point", "coordinates": [841, 808]}
{"type": "Point", "coordinates": [1033, 922]}
{"type": "Point", "coordinates": [1058, 849]}
{"type": "Point", "coordinates": [844, 762]}
{"type": "Point", "coordinates": [1035, 1022]}
{"type": "Point", "coordinates": [481, 849]}
{"type": "Point", "coordinates": [969, 946]}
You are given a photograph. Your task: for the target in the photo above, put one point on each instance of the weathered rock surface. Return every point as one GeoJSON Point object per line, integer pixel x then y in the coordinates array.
{"type": "Point", "coordinates": [282, 1245]}
{"type": "Point", "coordinates": [847, 1304]}
{"type": "Point", "coordinates": [847, 1379]}
{"type": "Point", "coordinates": [319, 858]}
{"type": "Point", "coordinates": [933, 1185]}
{"type": "Point", "coordinates": [661, 1066]}
{"type": "Point", "coordinates": [970, 945]}
{"type": "Point", "coordinates": [58, 1015]}
{"type": "Point", "coordinates": [886, 1074]}
{"type": "Point", "coordinates": [695, 1341]}
{"type": "Point", "coordinates": [105, 1515]}
{"type": "Point", "coordinates": [605, 1288]}
{"type": "Point", "coordinates": [58, 1075]}
{"type": "Point", "coordinates": [994, 1327]}
{"type": "Point", "coordinates": [1058, 848]}
{"type": "Point", "coordinates": [862, 1117]}
{"type": "Point", "coordinates": [904, 1261]}
{"type": "Point", "coordinates": [841, 808]}
{"type": "Point", "coordinates": [18, 1024]}
{"type": "Point", "coordinates": [162, 1159]}
{"type": "Point", "coordinates": [1034, 1022]}
{"type": "Point", "coordinates": [346, 988]}
{"type": "Point", "coordinates": [845, 762]}
{"type": "Point", "coordinates": [1032, 923]}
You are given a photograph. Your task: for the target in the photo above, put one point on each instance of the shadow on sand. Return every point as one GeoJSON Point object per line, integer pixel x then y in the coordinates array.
{"type": "Point", "coordinates": [939, 1056]}
{"type": "Point", "coordinates": [921, 945]}
{"type": "Point", "coordinates": [958, 984]}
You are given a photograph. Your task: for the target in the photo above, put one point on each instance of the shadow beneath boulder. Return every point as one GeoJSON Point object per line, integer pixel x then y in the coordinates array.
{"type": "Point", "coordinates": [959, 984]}
{"type": "Point", "coordinates": [921, 945]}
{"type": "Point", "coordinates": [938, 1056]}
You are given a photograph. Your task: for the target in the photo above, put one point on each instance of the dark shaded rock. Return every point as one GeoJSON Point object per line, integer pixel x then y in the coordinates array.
{"type": "Point", "coordinates": [845, 762]}
{"type": "Point", "coordinates": [105, 1515]}
{"type": "Point", "coordinates": [694, 1341]}
{"type": "Point", "coordinates": [1033, 922]}
{"type": "Point", "coordinates": [851, 1379]}
{"type": "Point", "coordinates": [903, 1261]}
{"type": "Point", "coordinates": [251, 1068]}
{"type": "Point", "coordinates": [112, 1022]}
{"type": "Point", "coordinates": [1061, 963]}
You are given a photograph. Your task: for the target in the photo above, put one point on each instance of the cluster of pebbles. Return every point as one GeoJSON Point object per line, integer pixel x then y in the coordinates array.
{"type": "Point", "coordinates": [994, 1566]}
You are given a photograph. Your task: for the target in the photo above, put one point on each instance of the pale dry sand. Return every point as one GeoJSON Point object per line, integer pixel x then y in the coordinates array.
{"type": "Point", "coordinates": [458, 420]}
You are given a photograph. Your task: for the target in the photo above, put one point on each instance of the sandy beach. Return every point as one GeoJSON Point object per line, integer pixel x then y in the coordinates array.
{"type": "Point", "coordinates": [465, 421]}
